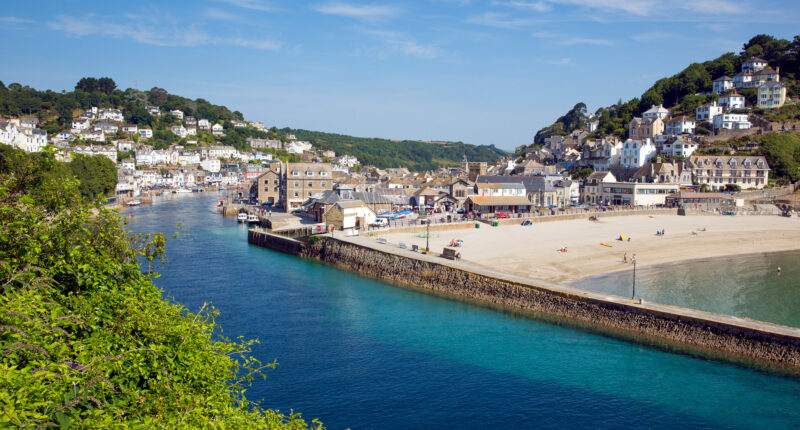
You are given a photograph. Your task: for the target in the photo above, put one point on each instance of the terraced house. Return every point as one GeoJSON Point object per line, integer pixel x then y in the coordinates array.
{"type": "Point", "coordinates": [748, 172]}
{"type": "Point", "coordinates": [303, 180]}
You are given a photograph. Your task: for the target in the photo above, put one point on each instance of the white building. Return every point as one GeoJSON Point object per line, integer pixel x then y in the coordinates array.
{"type": "Point", "coordinates": [217, 130]}
{"type": "Point", "coordinates": [111, 115]}
{"type": "Point", "coordinates": [679, 125]}
{"type": "Point", "coordinates": [637, 152]}
{"type": "Point", "coordinates": [722, 84]}
{"type": "Point", "coordinates": [656, 112]}
{"type": "Point", "coordinates": [732, 101]}
{"type": "Point", "coordinates": [177, 113]}
{"type": "Point", "coordinates": [179, 130]}
{"type": "Point", "coordinates": [210, 165]}
{"type": "Point", "coordinates": [146, 133]}
{"type": "Point", "coordinates": [91, 150]}
{"type": "Point", "coordinates": [754, 64]}
{"type": "Point", "coordinates": [679, 147]}
{"type": "Point", "coordinates": [732, 121]}
{"type": "Point", "coordinates": [80, 124]}
{"type": "Point", "coordinates": [203, 124]}
{"type": "Point", "coordinates": [348, 160]}
{"type": "Point", "coordinates": [298, 147]}
{"type": "Point", "coordinates": [708, 111]}
{"type": "Point", "coordinates": [153, 110]}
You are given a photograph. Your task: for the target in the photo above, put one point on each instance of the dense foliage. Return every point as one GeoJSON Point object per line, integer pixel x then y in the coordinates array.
{"type": "Point", "coordinates": [783, 154]}
{"type": "Point", "coordinates": [572, 120]}
{"type": "Point", "coordinates": [413, 154]}
{"type": "Point", "coordinates": [87, 340]}
{"type": "Point", "coordinates": [681, 92]}
{"type": "Point", "coordinates": [59, 108]}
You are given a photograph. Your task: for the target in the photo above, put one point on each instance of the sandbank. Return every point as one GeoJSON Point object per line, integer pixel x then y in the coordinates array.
{"type": "Point", "coordinates": [534, 251]}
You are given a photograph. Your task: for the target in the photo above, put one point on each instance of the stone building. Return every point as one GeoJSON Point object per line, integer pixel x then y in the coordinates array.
{"type": "Point", "coordinates": [303, 180]}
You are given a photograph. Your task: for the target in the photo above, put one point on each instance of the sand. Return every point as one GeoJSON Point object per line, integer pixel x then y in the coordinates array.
{"type": "Point", "coordinates": [533, 251]}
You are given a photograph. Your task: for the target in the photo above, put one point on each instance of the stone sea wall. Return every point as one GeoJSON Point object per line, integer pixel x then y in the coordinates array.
{"type": "Point", "coordinates": [671, 330]}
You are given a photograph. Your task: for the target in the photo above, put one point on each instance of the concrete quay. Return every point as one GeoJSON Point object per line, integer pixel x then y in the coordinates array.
{"type": "Point", "coordinates": [723, 337]}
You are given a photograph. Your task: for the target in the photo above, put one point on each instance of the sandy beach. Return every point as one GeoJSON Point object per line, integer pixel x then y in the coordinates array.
{"type": "Point", "coordinates": [534, 251]}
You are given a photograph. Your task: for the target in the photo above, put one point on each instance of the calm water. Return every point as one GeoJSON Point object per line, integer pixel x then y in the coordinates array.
{"type": "Point", "coordinates": [362, 354]}
{"type": "Point", "coordinates": [743, 286]}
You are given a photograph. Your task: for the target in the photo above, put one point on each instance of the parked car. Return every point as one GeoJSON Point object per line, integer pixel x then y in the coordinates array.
{"type": "Point", "coordinates": [502, 215]}
{"type": "Point", "coordinates": [299, 211]}
{"type": "Point", "coordinates": [380, 222]}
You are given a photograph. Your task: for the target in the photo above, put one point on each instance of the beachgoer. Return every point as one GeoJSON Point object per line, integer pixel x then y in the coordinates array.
{"type": "Point", "coordinates": [779, 270]}
{"type": "Point", "coordinates": [633, 258]}
{"type": "Point", "coordinates": [565, 249]}
{"type": "Point", "coordinates": [625, 258]}
{"type": "Point", "coordinates": [629, 238]}
{"type": "Point", "coordinates": [662, 231]}
{"type": "Point", "coordinates": [458, 256]}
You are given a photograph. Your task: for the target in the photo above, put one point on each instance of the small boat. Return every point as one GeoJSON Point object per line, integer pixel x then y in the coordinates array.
{"type": "Point", "coordinates": [134, 203]}
{"type": "Point", "coordinates": [253, 219]}
{"type": "Point", "coordinates": [242, 217]}
{"type": "Point", "coordinates": [184, 190]}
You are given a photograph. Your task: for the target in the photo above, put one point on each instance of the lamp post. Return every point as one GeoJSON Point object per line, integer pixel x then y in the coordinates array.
{"type": "Point", "coordinates": [428, 234]}
{"type": "Point", "coordinates": [633, 293]}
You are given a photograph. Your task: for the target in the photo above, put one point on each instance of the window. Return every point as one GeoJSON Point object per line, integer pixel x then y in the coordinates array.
{"type": "Point", "coordinates": [309, 173]}
{"type": "Point", "coordinates": [323, 173]}
{"type": "Point", "coordinates": [295, 173]}
{"type": "Point", "coordinates": [296, 184]}
{"type": "Point", "coordinates": [296, 194]}
{"type": "Point", "coordinates": [310, 184]}
{"type": "Point", "coordinates": [309, 193]}
{"type": "Point", "coordinates": [322, 185]}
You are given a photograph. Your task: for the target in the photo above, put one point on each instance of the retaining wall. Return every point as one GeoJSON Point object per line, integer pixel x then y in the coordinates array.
{"type": "Point", "coordinates": [716, 336]}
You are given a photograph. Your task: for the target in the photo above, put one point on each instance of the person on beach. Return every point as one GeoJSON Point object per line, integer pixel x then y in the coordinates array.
{"type": "Point", "coordinates": [633, 258]}
{"type": "Point", "coordinates": [625, 258]}
{"type": "Point", "coordinates": [779, 270]}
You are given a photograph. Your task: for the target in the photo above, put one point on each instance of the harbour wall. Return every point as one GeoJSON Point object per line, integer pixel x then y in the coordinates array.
{"type": "Point", "coordinates": [723, 337]}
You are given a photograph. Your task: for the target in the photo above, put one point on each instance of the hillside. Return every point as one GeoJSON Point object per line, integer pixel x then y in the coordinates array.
{"type": "Point", "coordinates": [55, 112]}
{"type": "Point", "coordinates": [413, 154]}
{"type": "Point", "coordinates": [685, 91]}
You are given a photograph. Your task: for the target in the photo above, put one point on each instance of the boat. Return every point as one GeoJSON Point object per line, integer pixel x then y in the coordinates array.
{"type": "Point", "coordinates": [242, 217]}
{"type": "Point", "coordinates": [253, 219]}
{"type": "Point", "coordinates": [134, 203]}
{"type": "Point", "coordinates": [184, 190]}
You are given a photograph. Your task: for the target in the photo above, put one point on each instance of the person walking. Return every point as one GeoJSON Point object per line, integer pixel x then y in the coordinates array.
{"type": "Point", "coordinates": [625, 258]}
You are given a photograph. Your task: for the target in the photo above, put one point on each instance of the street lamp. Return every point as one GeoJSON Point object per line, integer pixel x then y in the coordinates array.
{"type": "Point", "coordinates": [633, 293]}
{"type": "Point", "coordinates": [428, 234]}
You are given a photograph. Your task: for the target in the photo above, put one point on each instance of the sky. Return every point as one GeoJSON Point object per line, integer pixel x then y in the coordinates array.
{"type": "Point", "coordinates": [481, 72]}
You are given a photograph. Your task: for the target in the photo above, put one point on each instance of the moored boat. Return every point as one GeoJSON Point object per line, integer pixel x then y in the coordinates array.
{"type": "Point", "coordinates": [134, 203]}
{"type": "Point", "coordinates": [253, 219]}
{"type": "Point", "coordinates": [242, 217]}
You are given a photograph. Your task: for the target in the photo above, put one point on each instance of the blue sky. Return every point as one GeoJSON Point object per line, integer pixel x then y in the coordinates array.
{"type": "Point", "coordinates": [477, 71]}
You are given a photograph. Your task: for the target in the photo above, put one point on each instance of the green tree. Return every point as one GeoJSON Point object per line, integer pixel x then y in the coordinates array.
{"type": "Point", "coordinates": [97, 175]}
{"type": "Point", "coordinates": [106, 85]}
{"type": "Point", "coordinates": [88, 85]}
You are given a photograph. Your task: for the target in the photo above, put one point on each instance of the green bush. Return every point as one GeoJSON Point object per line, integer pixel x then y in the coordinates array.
{"type": "Point", "coordinates": [87, 340]}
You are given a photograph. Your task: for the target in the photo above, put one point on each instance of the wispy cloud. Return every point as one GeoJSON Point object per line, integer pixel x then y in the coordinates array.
{"type": "Point", "coordinates": [160, 31]}
{"type": "Point", "coordinates": [396, 42]}
{"type": "Point", "coordinates": [536, 6]}
{"type": "Point", "coordinates": [13, 20]}
{"type": "Point", "coordinates": [500, 20]}
{"type": "Point", "coordinates": [570, 40]}
{"type": "Point", "coordinates": [365, 12]}
{"type": "Point", "coordinates": [220, 14]}
{"type": "Point", "coordinates": [587, 41]}
{"type": "Point", "coordinates": [561, 62]}
{"type": "Point", "coordinates": [250, 4]}
{"type": "Point", "coordinates": [652, 36]}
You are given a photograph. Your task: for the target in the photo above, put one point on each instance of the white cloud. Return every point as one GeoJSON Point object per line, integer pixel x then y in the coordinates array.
{"type": "Point", "coordinates": [160, 31]}
{"type": "Point", "coordinates": [220, 14]}
{"type": "Point", "coordinates": [13, 20]}
{"type": "Point", "coordinates": [587, 41]}
{"type": "Point", "coordinates": [250, 4]}
{"type": "Point", "coordinates": [561, 62]}
{"type": "Point", "coordinates": [396, 42]}
{"type": "Point", "coordinates": [367, 12]}
{"type": "Point", "coordinates": [652, 36]}
{"type": "Point", "coordinates": [568, 40]}
{"type": "Point", "coordinates": [536, 6]}
{"type": "Point", "coordinates": [499, 20]}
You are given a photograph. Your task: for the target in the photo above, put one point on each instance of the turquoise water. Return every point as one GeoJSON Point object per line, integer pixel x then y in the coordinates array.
{"type": "Point", "coordinates": [359, 353]}
{"type": "Point", "coordinates": [747, 286]}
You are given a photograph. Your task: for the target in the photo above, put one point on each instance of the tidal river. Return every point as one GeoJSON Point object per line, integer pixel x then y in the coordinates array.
{"type": "Point", "coordinates": [363, 354]}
